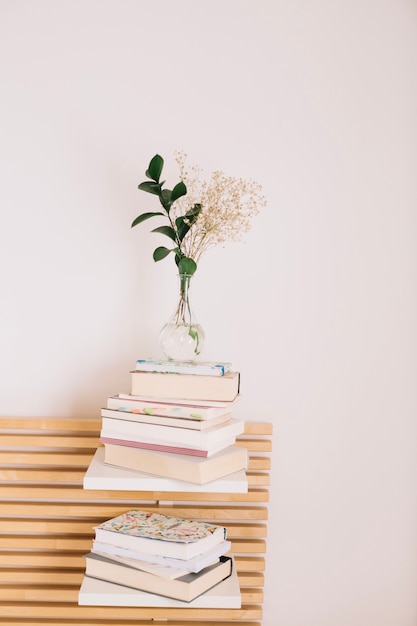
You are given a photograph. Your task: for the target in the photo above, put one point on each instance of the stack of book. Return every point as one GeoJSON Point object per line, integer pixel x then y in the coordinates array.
{"type": "Point", "coordinates": [159, 556]}
{"type": "Point", "coordinates": [176, 423]}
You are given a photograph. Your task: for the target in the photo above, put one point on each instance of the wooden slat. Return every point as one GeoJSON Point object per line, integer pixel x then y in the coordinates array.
{"type": "Point", "coordinates": [70, 475]}
{"type": "Point", "coordinates": [255, 445]}
{"type": "Point", "coordinates": [49, 459]}
{"type": "Point", "coordinates": [69, 593]}
{"type": "Point", "coordinates": [48, 441]}
{"type": "Point", "coordinates": [49, 475]}
{"type": "Point", "coordinates": [67, 527]}
{"type": "Point", "coordinates": [28, 621]}
{"type": "Point", "coordinates": [67, 424]}
{"type": "Point", "coordinates": [94, 425]}
{"type": "Point", "coordinates": [106, 511]}
{"type": "Point", "coordinates": [258, 428]}
{"type": "Point", "coordinates": [56, 460]}
{"type": "Point", "coordinates": [63, 492]}
{"type": "Point", "coordinates": [65, 610]}
{"type": "Point", "coordinates": [34, 542]}
{"type": "Point", "coordinates": [75, 560]}
{"type": "Point", "coordinates": [259, 463]}
{"type": "Point", "coordinates": [52, 577]}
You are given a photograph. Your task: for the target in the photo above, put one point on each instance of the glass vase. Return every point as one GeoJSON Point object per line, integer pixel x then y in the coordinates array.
{"type": "Point", "coordinates": [182, 337]}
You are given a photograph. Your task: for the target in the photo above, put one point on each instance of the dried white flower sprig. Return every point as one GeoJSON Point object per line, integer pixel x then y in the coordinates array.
{"type": "Point", "coordinates": [201, 213]}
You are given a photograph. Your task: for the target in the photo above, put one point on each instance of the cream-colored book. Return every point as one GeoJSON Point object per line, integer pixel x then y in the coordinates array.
{"type": "Point", "coordinates": [187, 386]}
{"type": "Point", "coordinates": [95, 592]}
{"type": "Point", "coordinates": [185, 587]}
{"type": "Point", "coordinates": [184, 467]}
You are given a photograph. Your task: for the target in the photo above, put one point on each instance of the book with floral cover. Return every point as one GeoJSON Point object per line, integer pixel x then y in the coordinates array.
{"type": "Point", "coordinates": [163, 535]}
{"type": "Point", "coordinates": [169, 407]}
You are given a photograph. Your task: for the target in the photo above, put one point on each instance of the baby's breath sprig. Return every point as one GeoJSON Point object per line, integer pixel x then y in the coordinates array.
{"type": "Point", "coordinates": [201, 214]}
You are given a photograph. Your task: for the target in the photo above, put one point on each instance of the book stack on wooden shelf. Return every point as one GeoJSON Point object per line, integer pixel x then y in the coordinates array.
{"type": "Point", "coordinates": [175, 424]}
{"type": "Point", "coordinates": [148, 559]}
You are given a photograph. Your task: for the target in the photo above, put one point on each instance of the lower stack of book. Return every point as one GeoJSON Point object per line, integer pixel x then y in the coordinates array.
{"type": "Point", "coordinates": [141, 558]}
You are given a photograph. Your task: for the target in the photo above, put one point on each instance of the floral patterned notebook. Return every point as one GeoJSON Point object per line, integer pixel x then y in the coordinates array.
{"type": "Point", "coordinates": [147, 525]}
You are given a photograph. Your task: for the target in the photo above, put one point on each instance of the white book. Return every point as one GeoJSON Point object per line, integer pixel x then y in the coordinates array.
{"type": "Point", "coordinates": [181, 402]}
{"type": "Point", "coordinates": [161, 571]}
{"type": "Point", "coordinates": [205, 439]}
{"type": "Point", "coordinates": [157, 445]}
{"type": "Point", "coordinates": [95, 592]}
{"type": "Point", "coordinates": [100, 475]}
{"type": "Point", "coordinates": [140, 416]}
{"type": "Point", "coordinates": [196, 564]}
{"type": "Point", "coordinates": [208, 368]}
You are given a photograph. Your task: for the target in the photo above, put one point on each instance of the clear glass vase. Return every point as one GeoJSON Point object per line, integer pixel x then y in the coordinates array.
{"type": "Point", "coordinates": [182, 337]}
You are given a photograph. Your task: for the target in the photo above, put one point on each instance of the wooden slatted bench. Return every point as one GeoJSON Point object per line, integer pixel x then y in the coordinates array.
{"type": "Point", "coordinates": [47, 519]}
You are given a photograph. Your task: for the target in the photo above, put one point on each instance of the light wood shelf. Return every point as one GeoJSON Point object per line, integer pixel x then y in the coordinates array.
{"type": "Point", "coordinates": [47, 520]}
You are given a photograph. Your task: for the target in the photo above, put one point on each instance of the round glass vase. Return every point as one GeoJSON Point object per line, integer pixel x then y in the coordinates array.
{"type": "Point", "coordinates": [182, 337]}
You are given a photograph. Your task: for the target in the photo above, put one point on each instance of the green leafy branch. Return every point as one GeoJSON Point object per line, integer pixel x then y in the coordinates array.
{"type": "Point", "coordinates": [178, 228]}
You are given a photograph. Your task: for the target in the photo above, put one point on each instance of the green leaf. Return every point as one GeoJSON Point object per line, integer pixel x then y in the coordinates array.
{"type": "Point", "coordinates": [179, 190]}
{"type": "Point", "coordinates": [143, 217]}
{"type": "Point", "coordinates": [193, 213]}
{"type": "Point", "coordinates": [150, 187]}
{"type": "Point", "coordinates": [155, 168]}
{"type": "Point", "coordinates": [165, 199]}
{"type": "Point", "coordinates": [160, 253]}
{"type": "Point", "coordinates": [187, 266]}
{"type": "Point", "coordinates": [182, 227]}
{"type": "Point", "coordinates": [178, 255]}
{"type": "Point", "coordinates": [166, 230]}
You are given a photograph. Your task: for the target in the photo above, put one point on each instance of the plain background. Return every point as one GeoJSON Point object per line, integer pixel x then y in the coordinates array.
{"type": "Point", "coordinates": [316, 100]}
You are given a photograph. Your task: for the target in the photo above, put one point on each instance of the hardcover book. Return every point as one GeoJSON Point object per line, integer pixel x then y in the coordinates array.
{"type": "Point", "coordinates": [209, 388]}
{"type": "Point", "coordinates": [224, 595]}
{"type": "Point", "coordinates": [185, 588]}
{"type": "Point", "coordinates": [208, 368]}
{"type": "Point", "coordinates": [184, 467]}
{"type": "Point", "coordinates": [162, 535]}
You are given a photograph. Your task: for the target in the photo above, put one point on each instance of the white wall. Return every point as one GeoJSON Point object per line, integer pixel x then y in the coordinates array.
{"type": "Point", "coordinates": [315, 100]}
